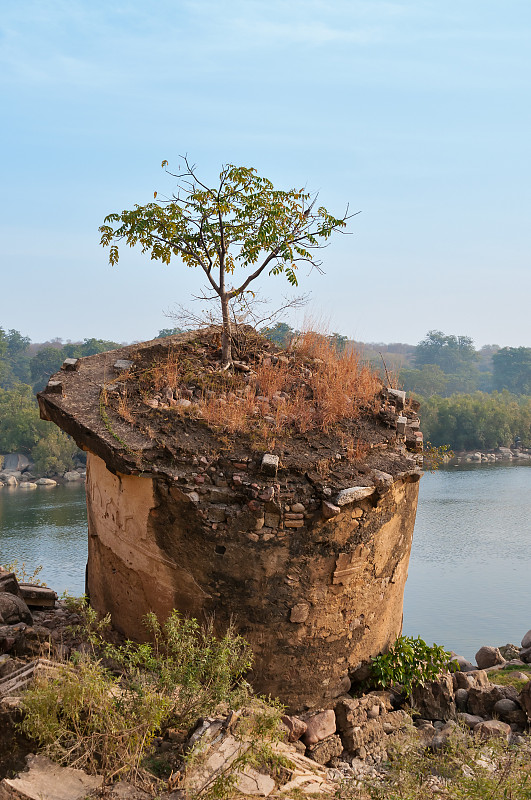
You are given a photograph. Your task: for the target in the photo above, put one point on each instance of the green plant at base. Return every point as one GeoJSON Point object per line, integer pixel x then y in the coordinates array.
{"type": "Point", "coordinates": [21, 575]}
{"type": "Point", "coordinates": [86, 716]}
{"type": "Point", "coordinates": [466, 769]}
{"type": "Point", "coordinates": [410, 663]}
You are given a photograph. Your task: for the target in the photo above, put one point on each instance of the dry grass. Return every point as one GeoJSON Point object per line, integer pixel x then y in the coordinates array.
{"type": "Point", "coordinates": [123, 408]}
{"type": "Point", "coordinates": [315, 387]}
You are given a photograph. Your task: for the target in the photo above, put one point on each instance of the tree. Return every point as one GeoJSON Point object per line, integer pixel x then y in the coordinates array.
{"type": "Point", "coordinates": [168, 332]}
{"type": "Point", "coordinates": [43, 364]}
{"type": "Point", "coordinates": [242, 222]}
{"type": "Point", "coordinates": [450, 353]}
{"type": "Point", "coordinates": [281, 333]}
{"type": "Point", "coordinates": [511, 369]}
{"type": "Point", "coordinates": [426, 381]}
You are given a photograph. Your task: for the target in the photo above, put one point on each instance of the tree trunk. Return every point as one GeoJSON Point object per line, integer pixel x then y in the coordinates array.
{"type": "Point", "coordinates": [226, 348]}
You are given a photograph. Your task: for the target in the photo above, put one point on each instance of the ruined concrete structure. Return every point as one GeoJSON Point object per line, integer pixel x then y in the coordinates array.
{"type": "Point", "coordinates": [310, 570]}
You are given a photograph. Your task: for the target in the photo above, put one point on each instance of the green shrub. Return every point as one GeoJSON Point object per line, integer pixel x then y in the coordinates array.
{"type": "Point", "coordinates": [410, 663]}
{"type": "Point", "coordinates": [83, 715]}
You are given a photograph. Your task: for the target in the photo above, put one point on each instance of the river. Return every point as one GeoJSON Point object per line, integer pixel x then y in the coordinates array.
{"type": "Point", "coordinates": [468, 581]}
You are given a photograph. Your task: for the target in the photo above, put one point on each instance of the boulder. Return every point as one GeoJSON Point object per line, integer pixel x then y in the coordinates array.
{"type": "Point", "coordinates": [525, 655]}
{"type": "Point", "coordinates": [319, 726]}
{"type": "Point", "coordinates": [481, 701]}
{"type": "Point", "coordinates": [73, 475]}
{"type": "Point", "coordinates": [526, 641]}
{"type": "Point", "coordinates": [435, 700]}
{"type": "Point", "coordinates": [493, 729]}
{"type": "Point", "coordinates": [9, 583]}
{"type": "Point", "coordinates": [46, 482]}
{"type": "Point", "coordinates": [296, 727]}
{"type": "Point", "coordinates": [326, 749]}
{"type": "Point", "coordinates": [461, 699]}
{"type": "Point", "coordinates": [464, 665]}
{"type": "Point", "coordinates": [524, 698]}
{"type": "Point", "coordinates": [13, 610]}
{"type": "Point", "coordinates": [504, 707]}
{"type": "Point", "coordinates": [488, 657]}
{"type": "Point", "coordinates": [470, 720]}
{"type": "Point", "coordinates": [510, 651]}
{"type": "Point", "coordinates": [15, 462]}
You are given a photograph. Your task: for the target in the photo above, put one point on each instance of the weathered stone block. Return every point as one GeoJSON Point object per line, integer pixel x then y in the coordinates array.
{"type": "Point", "coordinates": [353, 494]}
{"type": "Point", "coordinates": [270, 464]}
{"type": "Point", "coordinates": [328, 748]}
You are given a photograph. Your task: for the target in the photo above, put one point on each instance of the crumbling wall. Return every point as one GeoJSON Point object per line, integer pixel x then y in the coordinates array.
{"type": "Point", "coordinates": [315, 585]}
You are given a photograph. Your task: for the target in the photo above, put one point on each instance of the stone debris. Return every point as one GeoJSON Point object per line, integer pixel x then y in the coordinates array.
{"type": "Point", "coordinates": [70, 364]}
{"type": "Point", "coordinates": [296, 727]}
{"type": "Point", "coordinates": [122, 364]}
{"type": "Point", "coordinates": [319, 726]}
{"type": "Point", "coordinates": [45, 780]}
{"type": "Point", "coordinates": [37, 596]}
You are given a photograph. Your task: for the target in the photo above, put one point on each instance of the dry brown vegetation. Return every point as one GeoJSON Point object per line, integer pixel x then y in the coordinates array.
{"type": "Point", "coordinates": [267, 395]}
{"type": "Point", "coordinates": [310, 386]}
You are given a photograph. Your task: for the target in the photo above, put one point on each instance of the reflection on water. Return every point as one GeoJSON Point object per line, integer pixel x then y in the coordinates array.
{"type": "Point", "coordinates": [468, 581]}
{"type": "Point", "coordinates": [46, 526]}
{"type": "Point", "coordinates": [469, 573]}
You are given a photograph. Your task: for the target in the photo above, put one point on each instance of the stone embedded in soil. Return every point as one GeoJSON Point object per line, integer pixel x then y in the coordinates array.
{"type": "Point", "coordinates": [299, 613]}
{"type": "Point", "coordinates": [270, 464]}
{"type": "Point", "coordinates": [330, 510]}
{"type": "Point", "coordinates": [122, 364]}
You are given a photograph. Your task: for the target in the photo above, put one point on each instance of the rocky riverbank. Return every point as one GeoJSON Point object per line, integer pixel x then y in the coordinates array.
{"type": "Point", "coordinates": [18, 472]}
{"type": "Point", "coordinates": [501, 454]}
{"type": "Point", "coordinates": [352, 740]}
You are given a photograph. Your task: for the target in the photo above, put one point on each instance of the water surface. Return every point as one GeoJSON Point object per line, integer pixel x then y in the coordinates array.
{"type": "Point", "coordinates": [46, 526]}
{"type": "Point", "coordinates": [469, 576]}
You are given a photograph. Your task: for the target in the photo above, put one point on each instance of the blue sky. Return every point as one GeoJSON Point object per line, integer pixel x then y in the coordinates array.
{"type": "Point", "coordinates": [416, 113]}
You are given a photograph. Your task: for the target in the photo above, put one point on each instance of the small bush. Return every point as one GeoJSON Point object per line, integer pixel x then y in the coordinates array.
{"type": "Point", "coordinates": [86, 716]}
{"type": "Point", "coordinates": [410, 663]}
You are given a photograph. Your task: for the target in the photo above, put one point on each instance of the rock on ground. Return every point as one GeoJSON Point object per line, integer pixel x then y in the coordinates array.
{"type": "Point", "coordinates": [488, 657]}
{"type": "Point", "coordinates": [45, 780]}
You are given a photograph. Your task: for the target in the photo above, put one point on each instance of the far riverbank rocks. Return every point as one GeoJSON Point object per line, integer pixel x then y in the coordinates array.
{"type": "Point", "coordinates": [18, 472]}
{"type": "Point", "coordinates": [500, 454]}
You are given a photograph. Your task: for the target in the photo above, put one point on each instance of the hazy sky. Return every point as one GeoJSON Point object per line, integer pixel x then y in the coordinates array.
{"type": "Point", "coordinates": [416, 113]}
